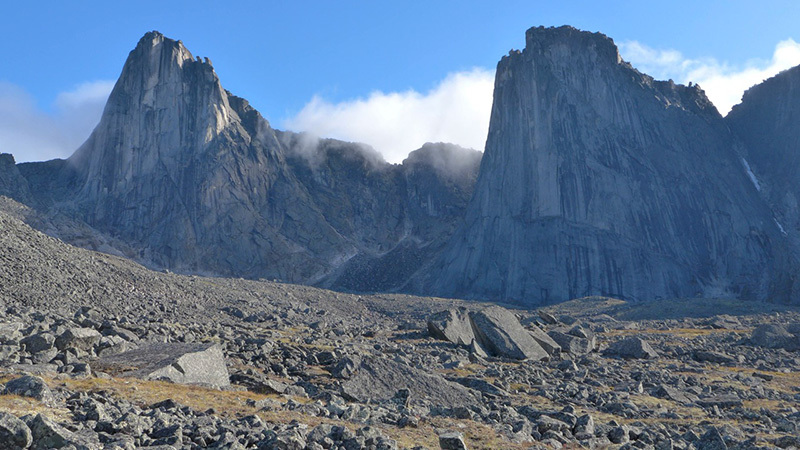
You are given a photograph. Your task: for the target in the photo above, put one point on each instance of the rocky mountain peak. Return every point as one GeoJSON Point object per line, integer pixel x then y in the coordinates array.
{"type": "Point", "coordinates": [598, 179]}
{"type": "Point", "coordinates": [564, 43]}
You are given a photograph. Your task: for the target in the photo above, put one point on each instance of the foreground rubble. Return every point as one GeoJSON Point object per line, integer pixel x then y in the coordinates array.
{"type": "Point", "coordinates": [226, 363]}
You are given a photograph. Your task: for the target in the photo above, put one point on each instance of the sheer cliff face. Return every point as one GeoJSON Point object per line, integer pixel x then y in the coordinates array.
{"type": "Point", "coordinates": [767, 121]}
{"type": "Point", "coordinates": [599, 180]}
{"type": "Point", "coordinates": [198, 181]}
{"type": "Point", "coordinates": [195, 177]}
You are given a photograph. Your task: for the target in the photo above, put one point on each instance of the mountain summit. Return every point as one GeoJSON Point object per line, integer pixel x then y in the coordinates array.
{"type": "Point", "coordinates": [197, 181]}
{"type": "Point", "coordinates": [599, 180]}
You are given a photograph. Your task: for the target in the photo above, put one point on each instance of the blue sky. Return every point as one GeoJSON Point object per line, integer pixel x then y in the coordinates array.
{"type": "Point", "coordinates": [330, 66]}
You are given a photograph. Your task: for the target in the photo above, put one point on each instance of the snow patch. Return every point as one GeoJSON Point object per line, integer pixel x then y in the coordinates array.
{"type": "Point", "coordinates": [751, 175]}
{"type": "Point", "coordinates": [780, 226]}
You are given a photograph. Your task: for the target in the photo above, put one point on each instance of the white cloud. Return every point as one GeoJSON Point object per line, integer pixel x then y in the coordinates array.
{"type": "Point", "coordinates": [457, 110]}
{"type": "Point", "coordinates": [31, 134]}
{"type": "Point", "coordinates": [724, 83]}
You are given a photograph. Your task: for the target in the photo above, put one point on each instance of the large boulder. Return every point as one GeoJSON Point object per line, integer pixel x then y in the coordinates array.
{"type": "Point", "coordinates": [201, 364]}
{"type": "Point", "coordinates": [48, 435]}
{"type": "Point", "coordinates": [572, 344]}
{"type": "Point", "coordinates": [632, 348]}
{"type": "Point", "coordinates": [452, 325]}
{"type": "Point", "coordinates": [774, 336]}
{"type": "Point", "coordinates": [548, 343]}
{"type": "Point", "coordinates": [379, 379]}
{"type": "Point", "coordinates": [30, 386]}
{"type": "Point", "coordinates": [80, 338]}
{"type": "Point", "coordinates": [14, 434]}
{"type": "Point", "coordinates": [499, 331]}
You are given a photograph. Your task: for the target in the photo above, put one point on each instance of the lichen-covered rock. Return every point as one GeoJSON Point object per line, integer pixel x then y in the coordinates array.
{"type": "Point", "coordinates": [14, 433]}
{"type": "Point", "coordinates": [30, 386]}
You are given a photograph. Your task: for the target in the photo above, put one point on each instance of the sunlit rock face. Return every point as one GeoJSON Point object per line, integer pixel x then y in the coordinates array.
{"type": "Point", "coordinates": [768, 121]}
{"type": "Point", "coordinates": [199, 182]}
{"type": "Point", "coordinates": [599, 180]}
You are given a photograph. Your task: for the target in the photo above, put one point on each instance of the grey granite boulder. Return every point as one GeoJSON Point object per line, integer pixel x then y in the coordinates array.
{"type": "Point", "coordinates": [452, 440]}
{"type": "Point", "coordinates": [39, 342]}
{"type": "Point", "coordinates": [379, 379]}
{"type": "Point", "coordinates": [498, 331]}
{"type": "Point", "coordinates": [548, 343]}
{"type": "Point", "coordinates": [574, 345]}
{"type": "Point", "coordinates": [47, 434]}
{"type": "Point", "coordinates": [14, 434]}
{"type": "Point", "coordinates": [452, 325]}
{"type": "Point", "coordinates": [202, 364]}
{"type": "Point", "coordinates": [632, 348]}
{"type": "Point", "coordinates": [30, 386]}
{"type": "Point", "coordinates": [774, 336]}
{"type": "Point", "coordinates": [80, 338]}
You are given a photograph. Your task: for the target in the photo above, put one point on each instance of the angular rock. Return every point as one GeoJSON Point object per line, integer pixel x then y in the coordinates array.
{"type": "Point", "coordinates": [202, 364]}
{"type": "Point", "coordinates": [672, 393]}
{"type": "Point", "coordinates": [10, 332]}
{"type": "Point", "coordinates": [498, 331]}
{"type": "Point", "coordinates": [711, 440]}
{"type": "Point", "coordinates": [713, 357]}
{"type": "Point", "coordinates": [30, 386]}
{"type": "Point", "coordinates": [774, 336]}
{"type": "Point", "coordinates": [452, 440]}
{"type": "Point", "coordinates": [48, 435]}
{"type": "Point", "coordinates": [721, 401]}
{"type": "Point", "coordinates": [14, 433]}
{"type": "Point", "coordinates": [452, 325]}
{"type": "Point", "coordinates": [80, 338]}
{"type": "Point", "coordinates": [39, 342]}
{"type": "Point", "coordinates": [379, 379]}
{"type": "Point", "coordinates": [548, 343]}
{"type": "Point", "coordinates": [632, 347]}
{"type": "Point", "coordinates": [573, 345]}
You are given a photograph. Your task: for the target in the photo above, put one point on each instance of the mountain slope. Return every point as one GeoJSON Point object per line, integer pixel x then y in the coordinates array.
{"type": "Point", "coordinates": [196, 180]}
{"type": "Point", "coordinates": [599, 180]}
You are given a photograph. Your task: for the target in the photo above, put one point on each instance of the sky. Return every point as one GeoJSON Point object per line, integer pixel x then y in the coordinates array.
{"type": "Point", "coordinates": [391, 74]}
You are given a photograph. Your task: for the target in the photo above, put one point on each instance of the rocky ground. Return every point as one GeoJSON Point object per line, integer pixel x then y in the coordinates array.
{"type": "Point", "coordinates": [309, 368]}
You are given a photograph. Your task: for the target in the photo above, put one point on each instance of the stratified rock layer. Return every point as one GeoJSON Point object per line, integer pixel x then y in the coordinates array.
{"type": "Point", "coordinates": [599, 180]}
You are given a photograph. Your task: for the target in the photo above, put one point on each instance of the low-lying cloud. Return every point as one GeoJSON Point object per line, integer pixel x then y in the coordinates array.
{"type": "Point", "coordinates": [456, 110]}
{"type": "Point", "coordinates": [32, 134]}
{"type": "Point", "coordinates": [724, 83]}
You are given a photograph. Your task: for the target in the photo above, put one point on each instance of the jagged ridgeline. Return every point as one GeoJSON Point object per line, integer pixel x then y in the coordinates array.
{"type": "Point", "coordinates": [198, 181]}
{"type": "Point", "coordinates": [596, 180]}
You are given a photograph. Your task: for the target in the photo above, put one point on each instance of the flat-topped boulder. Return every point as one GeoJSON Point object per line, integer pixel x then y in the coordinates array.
{"type": "Point", "coordinates": [201, 364]}
{"type": "Point", "coordinates": [379, 379]}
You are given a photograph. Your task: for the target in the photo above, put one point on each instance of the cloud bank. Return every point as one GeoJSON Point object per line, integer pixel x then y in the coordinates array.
{"type": "Point", "coordinates": [456, 110]}
{"type": "Point", "coordinates": [31, 134]}
{"type": "Point", "coordinates": [724, 83]}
